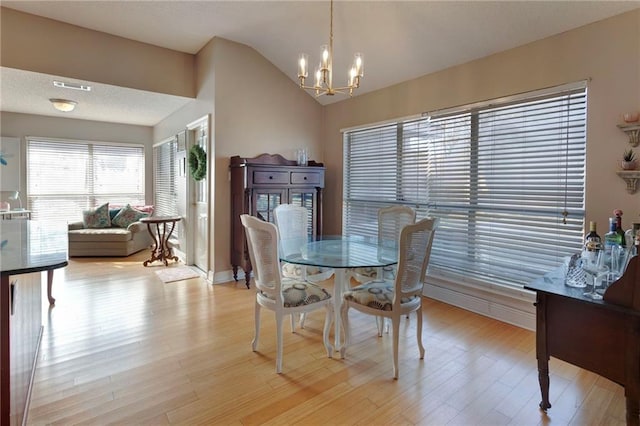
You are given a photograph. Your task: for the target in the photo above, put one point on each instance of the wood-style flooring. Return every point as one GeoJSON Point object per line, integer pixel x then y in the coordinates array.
{"type": "Point", "coordinates": [122, 347]}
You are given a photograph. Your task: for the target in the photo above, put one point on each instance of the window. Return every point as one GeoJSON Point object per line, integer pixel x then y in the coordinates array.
{"type": "Point", "coordinates": [498, 175]}
{"type": "Point", "coordinates": [164, 178]}
{"type": "Point", "coordinates": [66, 177]}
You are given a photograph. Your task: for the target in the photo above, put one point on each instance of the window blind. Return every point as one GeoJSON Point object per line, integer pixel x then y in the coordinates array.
{"type": "Point", "coordinates": [499, 176]}
{"type": "Point", "coordinates": [164, 178]}
{"type": "Point", "coordinates": [66, 177]}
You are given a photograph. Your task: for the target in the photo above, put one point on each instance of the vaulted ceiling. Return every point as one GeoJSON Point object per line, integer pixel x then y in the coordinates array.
{"type": "Point", "coordinates": [399, 40]}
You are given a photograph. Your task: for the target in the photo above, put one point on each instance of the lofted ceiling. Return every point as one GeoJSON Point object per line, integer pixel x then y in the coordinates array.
{"type": "Point", "coordinates": [399, 40]}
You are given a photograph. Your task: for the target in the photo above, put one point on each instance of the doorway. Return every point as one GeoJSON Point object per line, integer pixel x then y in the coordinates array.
{"type": "Point", "coordinates": [198, 206]}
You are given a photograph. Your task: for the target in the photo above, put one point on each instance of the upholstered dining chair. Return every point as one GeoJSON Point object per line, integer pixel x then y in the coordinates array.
{"type": "Point", "coordinates": [292, 222]}
{"type": "Point", "coordinates": [391, 220]}
{"type": "Point", "coordinates": [283, 296]}
{"type": "Point", "coordinates": [401, 296]}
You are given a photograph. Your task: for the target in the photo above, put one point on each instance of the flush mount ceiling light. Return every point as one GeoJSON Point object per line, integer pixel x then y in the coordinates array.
{"type": "Point", "coordinates": [74, 86]}
{"type": "Point", "coordinates": [324, 73]}
{"type": "Point", "coordinates": [63, 105]}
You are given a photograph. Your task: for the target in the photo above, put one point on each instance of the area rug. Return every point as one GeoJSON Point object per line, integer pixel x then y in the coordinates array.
{"type": "Point", "coordinates": [176, 273]}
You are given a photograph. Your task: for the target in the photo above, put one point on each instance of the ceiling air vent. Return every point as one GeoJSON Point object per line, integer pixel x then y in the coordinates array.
{"type": "Point", "coordinates": [74, 86]}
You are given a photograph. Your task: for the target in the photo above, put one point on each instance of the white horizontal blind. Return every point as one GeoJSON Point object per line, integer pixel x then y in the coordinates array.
{"type": "Point", "coordinates": [499, 178]}
{"type": "Point", "coordinates": [165, 185]}
{"type": "Point", "coordinates": [164, 178]}
{"type": "Point", "coordinates": [66, 177]}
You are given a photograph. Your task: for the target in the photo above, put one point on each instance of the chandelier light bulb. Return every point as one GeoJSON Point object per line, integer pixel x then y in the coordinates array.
{"type": "Point", "coordinates": [357, 63]}
{"type": "Point", "coordinates": [325, 57]}
{"type": "Point", "coordinates": [352, 76]}
{"type": "Point", "coordinates": [303, 66]}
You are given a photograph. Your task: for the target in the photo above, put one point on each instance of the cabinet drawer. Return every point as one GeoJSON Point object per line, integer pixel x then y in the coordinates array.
{"type": "Point", "coordinates": [274, 177]}
{"type": "Point", "coordinates": [298, 178]}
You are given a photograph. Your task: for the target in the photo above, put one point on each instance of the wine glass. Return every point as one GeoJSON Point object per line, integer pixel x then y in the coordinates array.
{"type": "Point", "coordinates": [593, 264]}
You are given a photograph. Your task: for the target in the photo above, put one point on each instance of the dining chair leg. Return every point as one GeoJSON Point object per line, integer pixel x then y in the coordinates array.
{"type": "Point", "coordinates": [256, 336]}
{"type": "Point", "coordinates": [303, 316]}
{"type": "Point", "coordinates": [344, 315]}
{"type": "Point", "coordinates": [279, 343]}
{"type": "Point", "coordinates": [419, 330]}
{"type": "Point", "coordinates": [380, 325]}
{"type": "Point", "coordinates": [395, 322]}
{"type": "Point", "coordinates": [328, 321]}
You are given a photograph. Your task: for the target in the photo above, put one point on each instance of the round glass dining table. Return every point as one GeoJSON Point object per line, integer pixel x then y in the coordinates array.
{"type": "Point", "coordinates": [341, 253]}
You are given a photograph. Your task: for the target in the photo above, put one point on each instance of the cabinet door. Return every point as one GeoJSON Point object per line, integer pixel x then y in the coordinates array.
{"type": "Point", "coordinates": [306, 197]}
{"type": "Point", "coordinates": [265, 200]}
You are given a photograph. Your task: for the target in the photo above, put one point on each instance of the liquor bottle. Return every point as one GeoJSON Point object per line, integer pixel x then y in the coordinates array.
{"type": "Point", "coordinates": [592, 242]}
{"type": "Point", "coordinates": [620, 231]}
{"type": "Point", "coordinates": [612, 238]}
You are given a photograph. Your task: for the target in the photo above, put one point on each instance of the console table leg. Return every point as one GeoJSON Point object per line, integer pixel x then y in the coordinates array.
{"type": "Point", "coordinates": [543, 379]}
{"type": "Point", "coordinates": [235, 272]}
{"type": "Point", "coordinates": [633, 411]}
{"type": "Point", "coordinates": [541, 350]}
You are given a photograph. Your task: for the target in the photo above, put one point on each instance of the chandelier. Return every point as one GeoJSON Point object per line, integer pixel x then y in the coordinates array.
{"type": "Point", "coordinates": [324, 78]}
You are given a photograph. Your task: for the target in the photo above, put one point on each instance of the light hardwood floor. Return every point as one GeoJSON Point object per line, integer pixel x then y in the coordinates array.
{"type": "Point", "coordinates": [122, 347]}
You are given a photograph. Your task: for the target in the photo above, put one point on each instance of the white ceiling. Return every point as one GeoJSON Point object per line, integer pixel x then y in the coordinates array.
{"type": "Point", "coordinates": [399, 40]}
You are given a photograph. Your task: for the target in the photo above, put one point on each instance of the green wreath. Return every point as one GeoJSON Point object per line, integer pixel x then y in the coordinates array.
{"type": "Point", "coordinates": [197, 162]}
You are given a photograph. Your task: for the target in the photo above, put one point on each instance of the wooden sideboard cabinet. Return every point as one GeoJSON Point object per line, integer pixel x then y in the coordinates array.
{"type": "Point", "coordinates": [260, 184]}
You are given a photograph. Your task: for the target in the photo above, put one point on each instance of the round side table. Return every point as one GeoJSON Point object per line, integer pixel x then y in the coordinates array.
{"type": "Point", "coordinates": [161, 250]}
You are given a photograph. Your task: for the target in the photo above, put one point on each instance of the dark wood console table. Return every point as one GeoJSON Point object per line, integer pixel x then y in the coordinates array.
{"type": "Point", "coordinates": [602, 336]}
{"type": "Point", "coordinates": [27, 249]}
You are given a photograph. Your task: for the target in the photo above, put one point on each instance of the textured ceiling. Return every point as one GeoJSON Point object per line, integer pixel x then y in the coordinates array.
{"type": "Point", "coordinates": [399, 40]}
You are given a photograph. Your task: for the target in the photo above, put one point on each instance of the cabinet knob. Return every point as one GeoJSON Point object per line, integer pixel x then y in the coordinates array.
{"type": "Point", "coordinates": [270, 177]}
{"type": "Point", "coordinates": [305, 178]}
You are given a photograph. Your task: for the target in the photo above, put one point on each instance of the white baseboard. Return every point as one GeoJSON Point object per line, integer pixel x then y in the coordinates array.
{"type": "Point", "coordinates": [226, 276]}
{"type": "Point", "coordinates": [517, 311]}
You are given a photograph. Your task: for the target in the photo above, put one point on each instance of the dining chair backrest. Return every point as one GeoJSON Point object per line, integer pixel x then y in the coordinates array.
{"type": "Point", "coordinates": [391, 220]}
{"type": "Point", "coordinates": [291, 220]}
{"type": "Point", "coordinates": [413, 258]}
{"type": "Point", "coordinates": [262, 241]}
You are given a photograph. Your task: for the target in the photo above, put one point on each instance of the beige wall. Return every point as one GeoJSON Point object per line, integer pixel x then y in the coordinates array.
{"type": "Point", "coordinates": [22, 125]}
{"type": "Point", "coordinates": [254, 109]}
{"type": "Point", "coordinates": [606, 52]}
{"type": "Point", "coordinates": [258, 109]}
{"type": "Point", "coordinates": [46, 46]}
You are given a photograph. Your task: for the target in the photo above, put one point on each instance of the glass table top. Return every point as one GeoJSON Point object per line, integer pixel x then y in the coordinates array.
{"type": "Point", "coordinates": [30, 246]}
{"type": "Point", "coordinates": [336, 251]}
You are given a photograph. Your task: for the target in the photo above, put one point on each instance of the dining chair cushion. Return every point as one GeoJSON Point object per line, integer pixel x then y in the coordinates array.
{"type": "Point", "coordinates": [299, 293]}
{"type": "Point", "coordinates": [314, 273]}
{"type": "Point", "coordinates": [376, 295]}
{"type": "Point", "coordinates": [371, 273]}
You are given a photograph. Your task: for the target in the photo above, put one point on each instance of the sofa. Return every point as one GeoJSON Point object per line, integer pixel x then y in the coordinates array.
{"type": "Point", "coordinates": [114, 236]}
